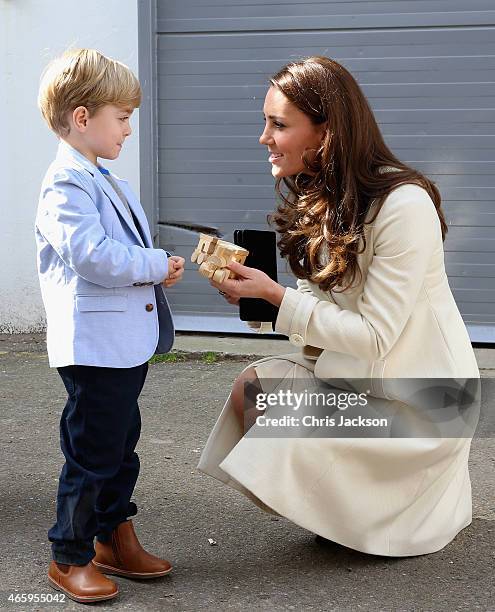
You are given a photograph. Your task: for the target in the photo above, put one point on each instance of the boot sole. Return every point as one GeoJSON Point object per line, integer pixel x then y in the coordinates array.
{"type": "Point", "coordinates": [115, 571]}
{"type": "Point", "coordinates": [79, 598]}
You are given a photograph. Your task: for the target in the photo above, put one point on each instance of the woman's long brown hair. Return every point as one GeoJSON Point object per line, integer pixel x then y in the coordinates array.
{"type": "Point", "coordinates": [326, 205]}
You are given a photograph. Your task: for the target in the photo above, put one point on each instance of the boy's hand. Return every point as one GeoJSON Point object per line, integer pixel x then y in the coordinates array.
{"type": "Point", "coordinates": [175, 270]}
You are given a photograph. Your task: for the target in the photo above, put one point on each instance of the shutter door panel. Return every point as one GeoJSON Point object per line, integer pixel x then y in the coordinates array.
{"type": "Point", "coordinates": [427, 69]}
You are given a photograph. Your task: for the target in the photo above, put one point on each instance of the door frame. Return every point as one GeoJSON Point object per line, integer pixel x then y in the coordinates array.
{"type": "Point", "coordinates": [148, 112]}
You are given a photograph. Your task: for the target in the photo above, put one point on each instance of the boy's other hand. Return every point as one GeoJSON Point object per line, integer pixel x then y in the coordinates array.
{"type": "Point", "coordinates": [175, 270]}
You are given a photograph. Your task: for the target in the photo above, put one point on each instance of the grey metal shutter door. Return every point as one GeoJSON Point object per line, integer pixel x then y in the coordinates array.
{"type": "Point", "coordinates": [427, 68]}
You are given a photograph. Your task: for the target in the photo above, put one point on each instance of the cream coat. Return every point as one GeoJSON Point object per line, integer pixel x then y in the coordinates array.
{"type": "Point", "coordinates": [394, 497]}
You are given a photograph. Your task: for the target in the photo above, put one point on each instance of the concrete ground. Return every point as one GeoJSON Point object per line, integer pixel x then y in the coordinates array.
{"type": "Point", "coordinates": [259, 562]}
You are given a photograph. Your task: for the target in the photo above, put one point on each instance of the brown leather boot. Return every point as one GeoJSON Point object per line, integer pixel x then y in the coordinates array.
{"type": "Point", "coordinates": [123, 555]}
{"type": "Point", "coordinates": [82, 583]}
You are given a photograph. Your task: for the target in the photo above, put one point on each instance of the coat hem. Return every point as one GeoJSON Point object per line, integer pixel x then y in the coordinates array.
{"type": "Point", "coordinates": [245, 484]}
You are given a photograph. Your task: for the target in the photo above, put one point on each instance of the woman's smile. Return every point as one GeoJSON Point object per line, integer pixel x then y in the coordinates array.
{"type": "Point", "coordinates": [274, 157]}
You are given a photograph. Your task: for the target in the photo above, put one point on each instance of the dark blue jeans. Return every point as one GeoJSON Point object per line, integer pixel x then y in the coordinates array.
{"type": "Point", "coordinates": [99, 430]}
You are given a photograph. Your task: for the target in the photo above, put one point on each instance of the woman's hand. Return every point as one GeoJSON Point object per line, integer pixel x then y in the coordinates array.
{"type": "Point", "coordinates": [250, 282]}
{"type": "Point", "coordinates": [229, 299]}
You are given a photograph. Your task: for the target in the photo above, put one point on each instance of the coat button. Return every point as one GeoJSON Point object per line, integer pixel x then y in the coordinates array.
{"type": "Point", "coordinates": [149, 307]}
{"type": "Point", "coordinates": [296, 339]}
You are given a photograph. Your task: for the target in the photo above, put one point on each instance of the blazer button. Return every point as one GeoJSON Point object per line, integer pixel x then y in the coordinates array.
{"type": "Point", "coordinates": [296, 339]}
{"type": "Point", "coordinates": [149, 307]}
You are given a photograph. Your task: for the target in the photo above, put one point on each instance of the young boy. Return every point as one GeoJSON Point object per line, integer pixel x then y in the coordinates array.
{"type": "Point", "coordinates": [101, 282]}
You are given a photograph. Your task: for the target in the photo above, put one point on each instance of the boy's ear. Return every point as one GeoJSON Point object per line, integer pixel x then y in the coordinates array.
{"type": "Point", "coordinates": [80, 118]}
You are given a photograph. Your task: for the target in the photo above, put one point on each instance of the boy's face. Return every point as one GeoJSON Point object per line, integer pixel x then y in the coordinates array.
{"type": "Point", "coordinates": [103, 134]}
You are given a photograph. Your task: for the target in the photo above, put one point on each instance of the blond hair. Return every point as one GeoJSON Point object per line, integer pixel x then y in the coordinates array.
{"type": "Point", "coordinates": [84, 77]}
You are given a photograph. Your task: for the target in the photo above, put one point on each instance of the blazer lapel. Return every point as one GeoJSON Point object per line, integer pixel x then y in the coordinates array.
{"type": "Point", "coordinates": [68, 153]}
{"type": "Point", "coordinates": [136, 208]}
{"type": "Point", "coordinates": [117, 203]}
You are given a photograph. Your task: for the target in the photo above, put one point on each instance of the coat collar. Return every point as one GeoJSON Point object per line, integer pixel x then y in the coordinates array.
{"type": "Point", "coordinates": [68, 154]}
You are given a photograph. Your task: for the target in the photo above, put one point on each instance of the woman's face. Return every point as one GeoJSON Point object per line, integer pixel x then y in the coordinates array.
{"type": "Point", "coordinates": [288, 133]}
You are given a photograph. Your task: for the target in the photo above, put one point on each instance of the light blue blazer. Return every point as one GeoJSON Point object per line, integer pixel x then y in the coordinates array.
{"type": "Point", "coordinates": [99, 281]}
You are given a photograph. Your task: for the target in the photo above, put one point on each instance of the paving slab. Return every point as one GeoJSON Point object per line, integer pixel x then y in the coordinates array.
{"type": "Point", "coordinates": [249, 345]}
{"type": "Point", "coordinates": [264, 345]}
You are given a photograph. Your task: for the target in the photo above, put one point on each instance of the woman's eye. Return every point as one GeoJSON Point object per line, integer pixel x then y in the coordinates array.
{"type": "Point", "coordinates": [277, 124]}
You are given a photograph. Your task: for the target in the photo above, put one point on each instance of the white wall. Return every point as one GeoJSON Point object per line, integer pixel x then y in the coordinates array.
{"type": "Point", "coordinates": [31, 33]}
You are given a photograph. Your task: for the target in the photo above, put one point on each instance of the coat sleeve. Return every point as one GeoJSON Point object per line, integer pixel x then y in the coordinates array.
{"type": "Point", "coordinates": [70, 222]}
{"type": "Point", "coordinates": [303, 286]}
{"type": "Point", "coordinates": [405, 235]}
